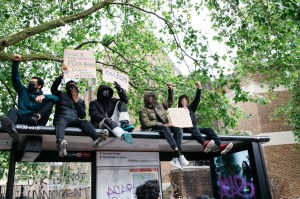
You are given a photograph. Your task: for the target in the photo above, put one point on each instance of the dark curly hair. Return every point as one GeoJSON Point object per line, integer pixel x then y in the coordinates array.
{"type": "Point", "coordinates": [148, 190]}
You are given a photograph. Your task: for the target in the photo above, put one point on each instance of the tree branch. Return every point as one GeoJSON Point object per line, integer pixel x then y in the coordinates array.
{"type": "Point", "coordinates": [30, 57]}
{"type": "Point", "coordinates": [28, 32]}
{"type": "Point", "coordinates": [163, 19]}
{"type": "Point", "coordinates": [10, 92]}
{"type": "Point", "coordinates": [85, 43]}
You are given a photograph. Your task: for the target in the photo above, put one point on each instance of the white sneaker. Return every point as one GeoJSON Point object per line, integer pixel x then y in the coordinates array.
{"type": "Point", "coordinates": [102, 137]}
{"type": "Point", "coordinates": [183, 161]}
{"type": "Point", "coordinates": [63, 148]}
{"type": "Point", "coordinates": [175, 162]}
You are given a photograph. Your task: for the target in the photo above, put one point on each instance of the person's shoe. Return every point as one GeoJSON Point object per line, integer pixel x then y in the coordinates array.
{"type": "Point", "coordinates": [33, 120]}
{"type": "Point", "coordinates": [208, 145]}
{"type": "Point", "coordinates": [183, 161]}
{"type": "Point", "coordinates": [126, 126]}
{"type": "Point", "coordinates": [128, 138]}
{"type": "Point", "coordinates": [176, 163]}
{"type": "Point", "coordinates": [62, 148]}
{"type": "Point", "coordinates": [10, 128]}
{"type": "Point", "coordinates": [102, 137]}
{"type": "Point", "coordinates": [225, 148]}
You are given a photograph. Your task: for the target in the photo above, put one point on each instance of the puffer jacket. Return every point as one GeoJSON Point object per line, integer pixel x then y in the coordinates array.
{"type": "Point", "coordinates": [66, 108]}
{"type": "Point", "coordinates": [26, 99]}
{"type": "Point", "coordinates": [101, 108]}
{"type": "Point", "coordinates": [156, 115]}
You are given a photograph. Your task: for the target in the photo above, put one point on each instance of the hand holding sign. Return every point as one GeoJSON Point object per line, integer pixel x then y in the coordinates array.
{"type": "Point", "coordinates": [81, 64]}
{"type": "Point", "coordinates": [110, 75]}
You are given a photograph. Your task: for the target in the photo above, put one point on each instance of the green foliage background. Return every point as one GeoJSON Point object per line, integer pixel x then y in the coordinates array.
{"type": "Point", "coordinates": [262, 37]}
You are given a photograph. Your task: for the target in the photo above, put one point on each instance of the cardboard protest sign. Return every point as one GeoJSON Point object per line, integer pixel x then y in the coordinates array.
{"type": "Point", "coordinates": [180, 117]}
{"type": "Point", "coordinates": [110, 75]}
{"type": "Point", "coordinates": [80, 63]}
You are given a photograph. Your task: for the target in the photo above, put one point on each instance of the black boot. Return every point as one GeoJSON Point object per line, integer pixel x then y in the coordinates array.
{"type": "Point", "coordinates": [33, 120]}
{"type": "Point", "coordinates": [9, 127]}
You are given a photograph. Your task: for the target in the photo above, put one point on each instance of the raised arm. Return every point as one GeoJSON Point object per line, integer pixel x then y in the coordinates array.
{"type": "Point", "coordinates": [196, 100]}
{"type": "Point", "coordinates": [15, 73]}
{"type": "Point", "coordinates": [170, 100]}
{"type": "Point", "coordinates": [55, 85]}
{"type": "Point", "coordinates": [121, 92]}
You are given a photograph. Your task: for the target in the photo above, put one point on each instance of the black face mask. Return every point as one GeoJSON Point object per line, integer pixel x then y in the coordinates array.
{"type": "Point", "coordinates": [31, 86]}
{"type": "Point", "coordinates": [106, 94]}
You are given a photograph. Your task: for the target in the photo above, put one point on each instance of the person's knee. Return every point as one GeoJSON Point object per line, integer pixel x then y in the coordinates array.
{"type": "Point", "coordinates": [13, 110]}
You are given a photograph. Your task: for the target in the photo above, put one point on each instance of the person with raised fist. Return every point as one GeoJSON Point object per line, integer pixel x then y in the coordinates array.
{"type": "Point", "coordinates": [183, 101]}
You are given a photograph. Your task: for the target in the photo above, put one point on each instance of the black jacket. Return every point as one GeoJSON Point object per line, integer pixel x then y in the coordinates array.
{"type": "Point", "coordinates": [193, 106]}
{"type": "Point", "coordinates": [104, 108]}
{"type": "Point", "coordinates": [66, 108]}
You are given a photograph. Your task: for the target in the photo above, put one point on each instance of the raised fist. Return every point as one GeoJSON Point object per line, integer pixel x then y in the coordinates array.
{"type": "Point", "coordinates": [17, 57]}
{"type": "Point", "coordinates": [117, 86]}
{"type": "Point", "coordinates": [198, 85]}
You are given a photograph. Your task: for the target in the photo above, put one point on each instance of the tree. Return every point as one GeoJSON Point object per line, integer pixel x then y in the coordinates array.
{"type": "Point", "coordinates": [125, 36]}
{"type": "Point", "coordinates": [266, 36]}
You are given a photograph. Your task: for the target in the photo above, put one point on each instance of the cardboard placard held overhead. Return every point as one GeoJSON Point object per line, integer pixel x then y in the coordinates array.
{"type": "Point", "coordinates": [180, 117]}
{"type": "Point", "coordinates": [110, 75]}
{"type": "Point", "coordinates": [80, 63]}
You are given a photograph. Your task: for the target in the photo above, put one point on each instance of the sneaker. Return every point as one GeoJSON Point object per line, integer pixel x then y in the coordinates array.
{"type": "Point", "coordinates": [9, 127]}
{"type": "Point", "coordinates": [103, 136]}
{"type": "Point", "coordinates": [126, 126]}
{"type": "Point", "coordinates": [33, 120]}
{"type": "Point", "coordinates": [62, 148]}
{"type": "Point", "coordinates": [183, 161]}
{"type": "Point", "coordinates": [224, 148]}
{"type": "Point", "coordinates": [175, 162]}
{"type": "Point", "coordinates": [128, 138]}
{"type": "Point", "coordinates": [208, 146]}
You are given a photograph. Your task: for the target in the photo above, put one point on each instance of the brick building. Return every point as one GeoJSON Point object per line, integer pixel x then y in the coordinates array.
{"type": "Point", "coordinates": [282, 160]}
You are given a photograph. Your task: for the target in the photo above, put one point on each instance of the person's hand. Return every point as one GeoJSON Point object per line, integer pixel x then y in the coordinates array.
{"type": "Point", "coordinates": [167, 125]}
{"type": "Point", "coordinates": [39, 99]}
{"type": "Point", "coordinates": [74, 94]}
{"type": "Point", "coordinates": [117, 86]}
{"type": "Point", "coordinates": [198, 85]}
{"type": "Point", "coordinates": [170, 86]}
{"type": "Point", "coordinates": [63, 68]}
{"type": "Point", "coordinates": [17, 57]}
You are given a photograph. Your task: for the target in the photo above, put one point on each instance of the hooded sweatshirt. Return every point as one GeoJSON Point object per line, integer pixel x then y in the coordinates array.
{"type": "Point", "coordinates": [104, 107]}
{"type": "Point", "coordinates": [26, 98]}
{"type": "Point", "coordinates": [193, 106]}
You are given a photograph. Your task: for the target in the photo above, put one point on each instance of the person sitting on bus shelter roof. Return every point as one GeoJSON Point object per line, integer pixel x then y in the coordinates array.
{"type": "Point", "coordinates": [153, 117]}
{"type": "Point", "coordinates": [183, 101]}
{"type": "Point", "coordinates": [34, 107]}
{"type": "Point", "coordinates": [70, 112]}
{"type": "Point", "coordinates": [112, 113]}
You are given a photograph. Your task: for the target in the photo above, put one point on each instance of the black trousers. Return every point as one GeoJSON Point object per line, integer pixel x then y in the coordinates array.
{"type": "Point", "coordinates": [84, 125]}
{"type": "Point", "coordinates": [44, 111]}
{"type": "Point", "coordinates": [108, 123]}
{"type": "Point", "coordinates": [174, 140]}
{"type": "Point", "coordinates": [196, 132]}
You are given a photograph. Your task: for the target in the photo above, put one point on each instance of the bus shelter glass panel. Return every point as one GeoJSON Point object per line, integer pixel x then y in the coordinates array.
{"type": "Point", "coordinates": [4, 165]}
{"type": "Point", "coordinates": [53, 180]}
